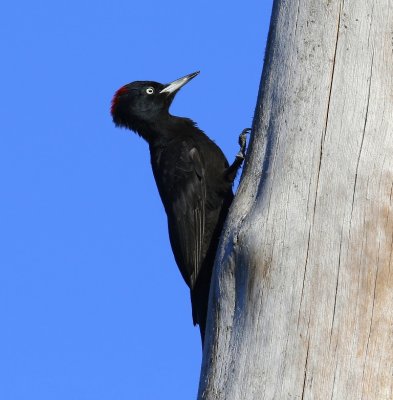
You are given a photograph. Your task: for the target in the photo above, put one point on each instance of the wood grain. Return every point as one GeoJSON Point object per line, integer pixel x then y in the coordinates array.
{"type": "Point", "coordinates": [301, 305]}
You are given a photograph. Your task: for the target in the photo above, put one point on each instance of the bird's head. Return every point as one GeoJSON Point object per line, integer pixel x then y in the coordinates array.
{"type": "Point", "coordinates": [142, 103]}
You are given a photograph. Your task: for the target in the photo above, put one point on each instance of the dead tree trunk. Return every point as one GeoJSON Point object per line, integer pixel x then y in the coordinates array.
{"type": "Point", "coordinates": [301, 305]}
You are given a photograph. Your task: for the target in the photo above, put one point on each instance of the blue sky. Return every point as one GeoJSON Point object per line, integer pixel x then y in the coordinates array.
{"type": "Point", "coordinates": [92, 305]}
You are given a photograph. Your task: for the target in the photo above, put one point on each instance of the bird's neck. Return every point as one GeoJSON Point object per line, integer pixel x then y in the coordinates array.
{"type": "Point", "coordinates": [166, 128]}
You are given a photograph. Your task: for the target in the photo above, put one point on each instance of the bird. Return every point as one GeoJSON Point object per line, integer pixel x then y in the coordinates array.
{"type": "Point", "coordinates": [193, 177]}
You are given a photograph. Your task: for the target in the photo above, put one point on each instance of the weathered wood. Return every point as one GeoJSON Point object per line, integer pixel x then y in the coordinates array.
{"type": "Point", "coordinates": [301, 304]}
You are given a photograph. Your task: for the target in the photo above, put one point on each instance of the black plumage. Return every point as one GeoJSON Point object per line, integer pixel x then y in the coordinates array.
{"type": "Point", "coordinates": [193, 178]}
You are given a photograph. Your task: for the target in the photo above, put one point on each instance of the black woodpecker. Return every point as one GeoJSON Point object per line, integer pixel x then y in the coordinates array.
{"type": "Point", "coordinates": [193, 178]}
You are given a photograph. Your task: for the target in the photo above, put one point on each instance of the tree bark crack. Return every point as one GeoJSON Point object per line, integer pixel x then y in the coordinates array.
{"type": "Point", "coordinates": [334, 380]}
{"type": "Point", "coordinates": [305, 370]}
{"type": "Point", "coordinates": [362, 141]}
{"type": "Point", "coordinates": [337, 280]}
{"type": "Point", "coordinates": [304, 276]}
{"type": "Point", "coordinates": [328, 106]}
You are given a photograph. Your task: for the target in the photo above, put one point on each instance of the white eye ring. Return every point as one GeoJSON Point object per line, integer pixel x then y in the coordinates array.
{"type": "Point", "coordinates": [149, 90]}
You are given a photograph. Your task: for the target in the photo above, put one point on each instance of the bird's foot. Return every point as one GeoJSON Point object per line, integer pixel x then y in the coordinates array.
{"type": "Point", "coordinates": [232, 170]}
{"type": "Point", "coordinates": [243, 143]}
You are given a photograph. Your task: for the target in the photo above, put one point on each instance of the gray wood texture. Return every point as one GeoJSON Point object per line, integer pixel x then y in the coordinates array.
{"type": "Point", "coordinates": [301, 305]}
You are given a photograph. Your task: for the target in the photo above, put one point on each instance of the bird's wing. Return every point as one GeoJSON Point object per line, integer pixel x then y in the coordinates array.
{"type": "Point", "coordinates": [187, 215]}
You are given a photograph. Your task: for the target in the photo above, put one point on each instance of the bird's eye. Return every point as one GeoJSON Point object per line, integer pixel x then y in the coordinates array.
{"type": "Point", "coordinates": [149, 90]}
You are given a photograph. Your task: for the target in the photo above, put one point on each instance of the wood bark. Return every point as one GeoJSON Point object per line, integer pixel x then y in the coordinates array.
{"type": "Point", "coordinates": [301, 304]}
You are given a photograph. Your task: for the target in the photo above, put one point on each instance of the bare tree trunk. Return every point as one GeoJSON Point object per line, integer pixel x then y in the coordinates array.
{"type": "Point", "coordinates": [301, 305]}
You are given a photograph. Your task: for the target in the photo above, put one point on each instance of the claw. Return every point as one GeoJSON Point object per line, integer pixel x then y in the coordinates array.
{"type": "Point", "coordinates": [232, 170]}
{"type": "Point", "coordinates": [243, 142]}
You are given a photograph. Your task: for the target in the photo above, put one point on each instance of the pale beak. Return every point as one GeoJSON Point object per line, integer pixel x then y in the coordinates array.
{"type": "Point", "coordinates": [178, 83]}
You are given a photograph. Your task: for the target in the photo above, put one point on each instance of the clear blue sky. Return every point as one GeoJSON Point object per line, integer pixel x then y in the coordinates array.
{"type": "Point", "coordinates": [92, 306]}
